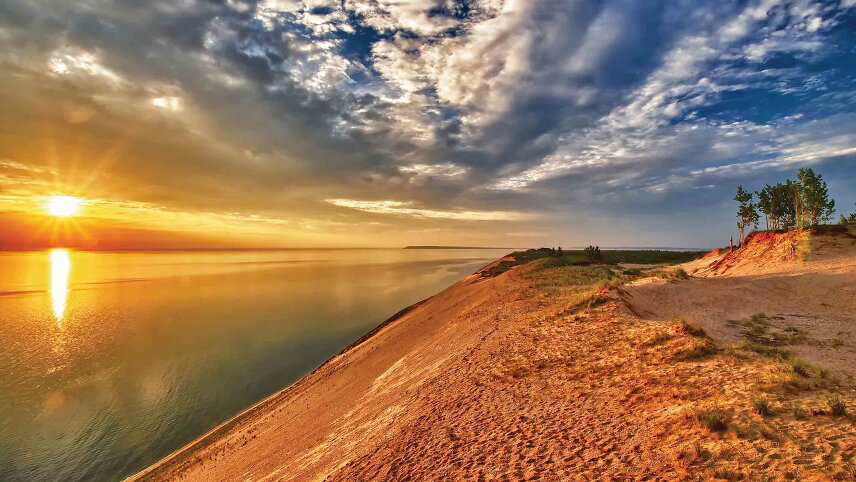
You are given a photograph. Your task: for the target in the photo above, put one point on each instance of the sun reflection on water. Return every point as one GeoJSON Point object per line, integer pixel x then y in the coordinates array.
{"type": "Point", "coordinates": [60, 269]}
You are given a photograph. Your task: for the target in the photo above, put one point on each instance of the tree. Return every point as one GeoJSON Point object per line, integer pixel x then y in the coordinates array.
{"type": "Point", "coordinates": [848, 219]}
{"type": "Point", "coordinates": [816, 204]}
{"type": "Point", "coordinates": [593, 253]}
{"type": "Point", "coordinates": [747, 214]}
{"type": "Point", "coordinates": [765, 204]}
{"type": "Point", "coordinates": [782, 206]}
{"type": "Point", "coordinates": [777, 204]}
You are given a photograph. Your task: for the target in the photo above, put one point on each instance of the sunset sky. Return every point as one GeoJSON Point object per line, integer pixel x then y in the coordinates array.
{"type": "Point", "coordinates": [200, 123]}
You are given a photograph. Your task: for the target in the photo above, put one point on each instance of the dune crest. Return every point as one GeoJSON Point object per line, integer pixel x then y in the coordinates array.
{"type": "Point", "coordinates": [541, 372]}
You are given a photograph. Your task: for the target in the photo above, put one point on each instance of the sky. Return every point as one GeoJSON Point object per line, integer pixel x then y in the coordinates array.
{"type": "Point", "coordinates": [203, 123]}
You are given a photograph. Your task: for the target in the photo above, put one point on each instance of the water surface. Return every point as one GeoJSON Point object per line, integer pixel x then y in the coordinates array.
{"type": "Point", "coordinates": [110, 361]}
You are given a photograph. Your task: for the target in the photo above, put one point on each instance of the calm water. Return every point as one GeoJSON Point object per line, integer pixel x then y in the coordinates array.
{"type": "Point", "coordinates": [110, 361]}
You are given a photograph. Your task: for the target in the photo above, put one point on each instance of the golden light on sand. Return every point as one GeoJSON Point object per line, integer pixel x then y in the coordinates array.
{"type": "Point", "coordinates": [60, 270]}
{"type": "Point", "coordinates": [63, 206]}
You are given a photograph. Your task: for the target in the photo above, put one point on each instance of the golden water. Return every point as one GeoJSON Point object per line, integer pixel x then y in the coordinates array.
{"type": "Point", "coordinates": [110, 361]}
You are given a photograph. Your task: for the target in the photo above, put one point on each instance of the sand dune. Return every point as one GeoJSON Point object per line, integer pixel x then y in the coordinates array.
{"type": "Point", "coordinates": [799, 280]}
{"type": "Point", "coordinates": [516, 377]}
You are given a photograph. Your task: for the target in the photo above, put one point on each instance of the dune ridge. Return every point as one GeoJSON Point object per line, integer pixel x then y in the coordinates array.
{"type": "Point", "coordinates": [571, 372]}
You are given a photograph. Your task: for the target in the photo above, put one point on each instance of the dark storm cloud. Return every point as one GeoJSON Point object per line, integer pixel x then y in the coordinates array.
{"type": "Point", "coordinates": [277, 106]}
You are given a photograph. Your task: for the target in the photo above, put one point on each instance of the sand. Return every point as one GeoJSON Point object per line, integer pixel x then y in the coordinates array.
{"type": "Point", "coordinates": [798, 280]}
{"type": "Point", "coordinates": [504, 378]}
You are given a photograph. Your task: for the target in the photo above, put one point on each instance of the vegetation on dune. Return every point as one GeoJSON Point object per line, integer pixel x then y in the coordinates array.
{"type": "Point", "coordinates": [762, 406]}
{"type": "Point", "coordinates": [851, 219]}
{"type": "Point", "coordinates": [747, 214]}
{"type": "Point", "coordinates": [761, 329]}
{"type": "Point", "coordinates": [714, 420]}
{"type": "Point", "coordinates": [836, 406]}
{"type": "Point", "coordinates": [553, 258]}
{"type": "Point", "coordinates": [794, 204]}
{"type": "Point", "coordinates": [777, 395]}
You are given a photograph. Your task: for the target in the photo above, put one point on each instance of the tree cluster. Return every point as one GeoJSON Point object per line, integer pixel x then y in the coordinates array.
{"type": "Point", "coordinates": [794, 204]}
{"type": "Point", "coordinates": [592, 253]}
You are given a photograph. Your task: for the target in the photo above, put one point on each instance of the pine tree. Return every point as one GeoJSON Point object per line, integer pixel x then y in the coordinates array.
{"type": "Point", "coordinates": [848, 219]}
{"type": "Point", "coordinates": [816, 203]}
{"type": "Point", "coordinates": [765, 205]}
{"type": "Point", "coordinates": [782, 206]}
{"type": "Point", "coordinates": [747, 214]}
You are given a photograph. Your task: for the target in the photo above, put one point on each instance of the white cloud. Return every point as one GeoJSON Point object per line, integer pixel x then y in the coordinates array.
{"type": "Point", "coordinates": [403, 208]}
{"type": "Point", "coordinates": [168, 103]}
{"type": "Point", "coordinates": [641, 130]}
{"type": "Point", "coordinates": [78, 62]}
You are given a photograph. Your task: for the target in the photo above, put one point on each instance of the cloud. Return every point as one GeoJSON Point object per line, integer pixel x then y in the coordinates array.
{"type": "Point", "coordinates": [456, 110]}
{"type": "Point", "coordinates": [401, 208]}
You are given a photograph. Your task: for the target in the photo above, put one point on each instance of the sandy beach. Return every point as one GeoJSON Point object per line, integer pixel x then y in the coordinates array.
{"type": "Point", "coordinates": [578, 372]}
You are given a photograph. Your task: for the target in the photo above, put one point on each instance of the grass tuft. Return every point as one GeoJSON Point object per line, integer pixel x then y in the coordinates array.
{"type": "Point", "coordinates": [797, 411]}
{"type": "Point", "coordinates": [714, 420]}
{"type": "Point", "coordinates": [692, 330]}
{"type": "Point", "coordinates": [762, 406]}
{"type": "Point", "coordinates": [672, 275]}
{"type": "Point", "coordinates": [836, 406]}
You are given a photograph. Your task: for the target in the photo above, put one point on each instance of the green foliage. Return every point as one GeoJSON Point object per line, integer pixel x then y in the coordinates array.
{"type": "Point", "coordinates": [768, 351]}
{"type": "Point", "coordinates": [579, 257]}
{"type": "Point", "coordinates": [760, 329]}
{"type": "Point", "coordinates": [777, 204]}
{"type": "Point", "coordinates": [817, 207]}
{"type": "Point", "coordinates": [593, 253]}
{"type": "Point", "coordinates": [747, 213]}
{"type": "Point", "coordinates": [797, 204]}
{"type": "Point", "coordinates": [851, 219]}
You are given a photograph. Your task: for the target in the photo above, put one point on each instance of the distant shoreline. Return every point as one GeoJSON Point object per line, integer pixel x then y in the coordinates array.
{"type": "Point", "coordinates": [454, 247]}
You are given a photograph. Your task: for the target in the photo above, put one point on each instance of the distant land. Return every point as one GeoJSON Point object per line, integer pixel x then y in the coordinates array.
{"type": "Point", "coordinates": [452, 247]}
{"type": "Point", "coordinates": [611, 248]}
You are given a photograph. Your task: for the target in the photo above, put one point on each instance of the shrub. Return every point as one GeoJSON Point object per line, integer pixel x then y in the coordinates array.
{"type": "Point", "coordinates": [768, 351]}
{"type": "Point", "coordinates": [592, 253]}
{"type": "Point", "coordinates": [762, 406]}
{"type": "Point", "coordinates": [714, 420]}
{"type": "Point", "coordinates": [692, 330]}
{"type": "Point", "coordinates": [696, 352]}
{"type": "Point", "coordinates": [800, 367]}
{"type": "Point", "coordinates": [671, 275]}
{"type": "Point", "coordinates": [797, 410]}
{"type": "Point", "coordinates": [837, 406]}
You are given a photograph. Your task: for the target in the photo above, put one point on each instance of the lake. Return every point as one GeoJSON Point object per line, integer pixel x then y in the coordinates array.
{"type": "Point", "coordinates": [111, 361]}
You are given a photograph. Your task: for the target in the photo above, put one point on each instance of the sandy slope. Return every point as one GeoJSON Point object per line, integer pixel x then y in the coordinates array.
{"type": "Point", "coordinates": [511, 378]}
{"type": "Point", "coordinates": [799, 280]}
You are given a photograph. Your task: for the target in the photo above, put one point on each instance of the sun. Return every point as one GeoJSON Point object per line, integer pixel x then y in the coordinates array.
{"type": "Point", "coordinates": [63, 206]}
